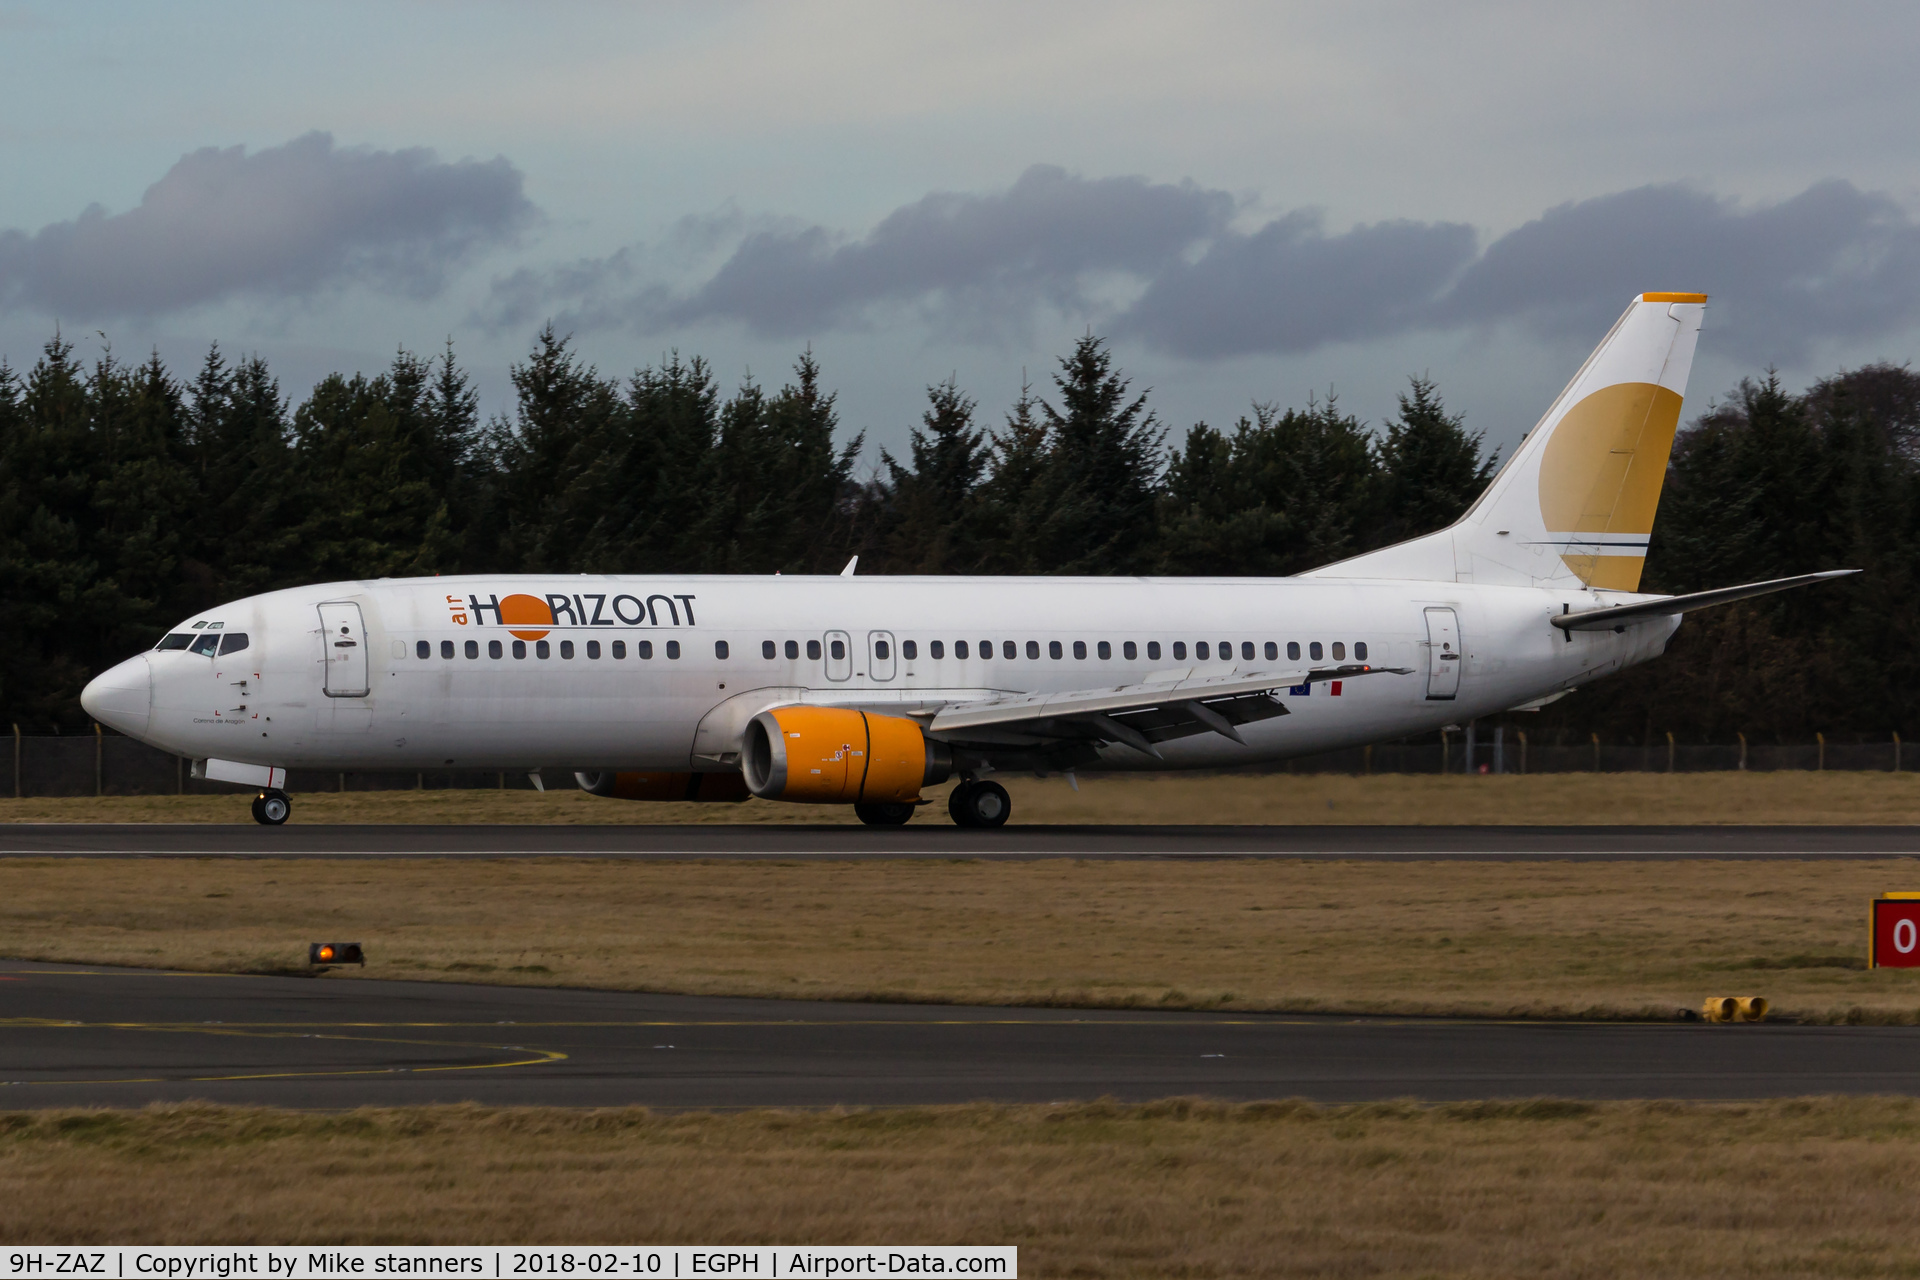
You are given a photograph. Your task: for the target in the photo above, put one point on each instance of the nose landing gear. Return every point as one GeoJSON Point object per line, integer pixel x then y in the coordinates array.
{"type": "Point", "coordinates": [979, 804]}
{"type": "Point", "coordinates": [271, 808]}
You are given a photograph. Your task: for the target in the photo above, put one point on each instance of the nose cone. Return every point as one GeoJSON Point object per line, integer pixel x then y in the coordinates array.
{"type": "Point", "coordinates": [122, 697]}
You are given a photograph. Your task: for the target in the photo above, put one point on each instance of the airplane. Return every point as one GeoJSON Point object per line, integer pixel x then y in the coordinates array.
{"type": "Point", "coordinates": [870, 690]}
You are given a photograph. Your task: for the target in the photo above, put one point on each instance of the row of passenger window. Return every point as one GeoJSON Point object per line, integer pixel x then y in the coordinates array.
{"type": "Point", "coordinates": [909, 649]}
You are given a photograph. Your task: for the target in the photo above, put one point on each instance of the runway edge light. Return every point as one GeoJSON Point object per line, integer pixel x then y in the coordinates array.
{"type": "Point", "coordinates": [325, 953]}
{"type": "Point", "coordinates": [1893, 931]}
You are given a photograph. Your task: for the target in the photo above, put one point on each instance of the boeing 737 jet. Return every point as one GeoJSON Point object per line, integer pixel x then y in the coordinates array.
{"type": "Point", "coordinates": [869, 690]}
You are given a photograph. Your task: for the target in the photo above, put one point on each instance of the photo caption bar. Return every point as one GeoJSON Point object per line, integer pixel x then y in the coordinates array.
{"type": "Point", "coordinates": [495, 1262]}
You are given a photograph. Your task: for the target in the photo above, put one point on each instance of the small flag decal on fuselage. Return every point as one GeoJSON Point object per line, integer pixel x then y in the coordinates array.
{"type": "Point", "coordinates": [1306, 690]}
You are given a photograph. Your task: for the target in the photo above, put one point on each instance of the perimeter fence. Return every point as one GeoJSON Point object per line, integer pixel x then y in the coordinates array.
{"type": "Point", "coordinates": [108, 764]}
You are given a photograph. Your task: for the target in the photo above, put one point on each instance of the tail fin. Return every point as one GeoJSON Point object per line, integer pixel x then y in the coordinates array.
{"type": "Point", "coordinates": [1574, 504]}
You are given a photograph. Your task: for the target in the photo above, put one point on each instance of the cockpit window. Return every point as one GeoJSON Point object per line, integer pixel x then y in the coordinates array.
{"type": "Point", "coordinates": [176, 640]}
{"type": "Point", "coordinates": [205, 643]}
{"type": "Point", "coordinates": [232, 642]}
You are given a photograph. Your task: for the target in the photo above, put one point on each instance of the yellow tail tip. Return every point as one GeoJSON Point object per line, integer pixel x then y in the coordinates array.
{"type": "Point", "coordinates": [1673, 297]}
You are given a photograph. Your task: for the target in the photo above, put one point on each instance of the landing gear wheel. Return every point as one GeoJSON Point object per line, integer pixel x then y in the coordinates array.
{"type": "Point", "coordinates": [980, 804]}
{"type": "Point", "coordinates": [884, 815]}
{"type": "Point", "coordinates": [272, 808]}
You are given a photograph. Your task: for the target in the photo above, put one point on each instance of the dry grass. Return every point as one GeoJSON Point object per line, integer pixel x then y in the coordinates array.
{"type": "Point", "coordinates": [1278, 798]}
{"type": "Point", "coordinates": [1807, 1188]}
{"type": "Point", "coordinates": [1539, 939]}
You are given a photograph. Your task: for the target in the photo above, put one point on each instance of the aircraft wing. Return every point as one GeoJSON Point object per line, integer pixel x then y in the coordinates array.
{"type": "Point", "coordinates": [1139, 715]}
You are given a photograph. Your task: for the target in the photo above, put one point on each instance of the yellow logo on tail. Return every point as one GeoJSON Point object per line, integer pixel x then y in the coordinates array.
{"type": "Point", "coordinates": [1600, 480]}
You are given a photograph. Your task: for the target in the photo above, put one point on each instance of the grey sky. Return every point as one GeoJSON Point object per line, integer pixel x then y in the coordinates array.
{"type": "Point", "coordinates": [1255, 201]}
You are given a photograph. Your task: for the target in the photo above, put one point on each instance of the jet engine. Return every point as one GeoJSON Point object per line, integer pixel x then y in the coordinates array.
{"type": "Point", "coordinates": [831, 755]}
{"type": "Point", "coordinates": [712, 787]}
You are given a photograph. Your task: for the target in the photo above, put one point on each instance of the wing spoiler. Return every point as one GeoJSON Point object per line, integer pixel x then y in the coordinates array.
{"type": "Point", "coordinates": [1666, 607]}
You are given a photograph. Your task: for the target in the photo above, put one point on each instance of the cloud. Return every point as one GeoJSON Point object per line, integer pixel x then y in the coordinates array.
{"type": "Point", "coordinates": [1174, 266]}
{"type": "Point", "coordinates": [965, 260]}
{"type": "Point", "coordinates": [285, 221]}
{"type": "Point", "coordinates": [1833, 262]}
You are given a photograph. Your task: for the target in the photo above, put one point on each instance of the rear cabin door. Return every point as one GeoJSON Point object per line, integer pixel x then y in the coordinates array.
{"type": "Point", "coordinates": [1443, 655]}
{"type": "Point", "coordinates": [839, 656]}
{"type": "Point", "coordinates": [344, 636]}
{"type": "Point", "coordinates": [880, 655]}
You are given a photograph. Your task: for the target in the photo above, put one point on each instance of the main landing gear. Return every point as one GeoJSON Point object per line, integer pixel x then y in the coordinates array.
{"type": "Point", "coordinates": [979, 804]}
{"type": "Point", "coordinates": [272, 808]}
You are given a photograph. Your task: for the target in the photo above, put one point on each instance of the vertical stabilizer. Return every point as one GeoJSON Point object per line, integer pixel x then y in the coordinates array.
{"type": "Point", "coordinates": [1574, 504]}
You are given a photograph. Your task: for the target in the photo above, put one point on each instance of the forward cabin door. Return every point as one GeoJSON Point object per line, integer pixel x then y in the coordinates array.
{"type": "Point", "coordinates": [1443, 655]}
{"type": "Point", "coordinates": [344, 636]}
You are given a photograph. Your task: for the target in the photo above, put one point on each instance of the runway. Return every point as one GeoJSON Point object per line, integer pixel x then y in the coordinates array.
{"type": "Point", "coordinates": [938, 840]}
{"type": "Point", "coordinates": [73, 1036]}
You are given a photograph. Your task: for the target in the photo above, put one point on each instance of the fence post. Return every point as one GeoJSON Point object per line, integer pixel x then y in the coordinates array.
{"type": "Point", "coordinates": [1896, 751]}
{"type": "Point", "coordinates": [16, 762]}
{"type": "Point", "coordinates": [1743, 751]}
{"type": "Point", "coordinates": [99, 779]}
{"type": "Point", "coordinates": [1669, 751]}
{"type": "Point", "coordinates": [1523, 750]}
{"type": "Point", "coordinates": [1367, 755]}
{"type": "Point", "coordinates": [1499, 748]}
{"type": "Point", "coordinates": [179, 775]}
{"type": "Point", "coordinates": [1446, 743]}
{"type": "Point", "coordinates": [1821, 738]}
{"type": "Point", "coordinates": [1596, 752]}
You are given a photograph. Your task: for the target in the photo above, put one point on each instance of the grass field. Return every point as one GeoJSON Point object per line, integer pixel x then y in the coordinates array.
{"type": "Point", "coordinates": [1534, 939]}
{"type": "Point", "coordinates": [1803, 1188]}
{"type": "Point", "coordinates": [1419, 799]}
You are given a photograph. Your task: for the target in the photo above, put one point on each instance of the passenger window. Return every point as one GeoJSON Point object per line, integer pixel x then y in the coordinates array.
{"type": "Point", "coordinates": [719, 649]}
{"type": "Point", "coordinates": [1339, 649]}
{"type": "Point", "coordinates": [1360, 650]}
{"type": "Point", "coordinates": [1199, 650]}
{"type": "Point", "coordinates": [421, 649]}
{"type": "Point", "coordinates": [1033, 650]}
{"type": "Point", "coordinates": [473, 648]}
{"type": "Point", "coordinates": [593, 648]}
{"type": "Point", "coordinates": [1054, 650]}
{"type": "Point", "coordinates": [880, 648]}
{"type": "Point", "coordinates": [959, 648]}
{"type": "Point", "coordinates": [909, 650]}
{"type": "Point", "coordinates": [768, 650]}
{"type": "Point", "coordinates": [1314, 651]}
{"type": "Point", "coordinates": [235, 641]}
{"type": "Point", "coordinates": [205, 643]}
{"type": "Point", "coordinates": [1129, 651]}
{"type": "Point", "coordinates": [1293, 651]}
{"type": "Point", "coordinates": [1105, 650]}
{"type": "Point", "coordinates": [177, 640]}
{"type": "Point", "coordinates": [542, 649]}
{"type": "Point", "coordinates": [1080, 649]}
{"type": "Point", "coordinates": [793, 650]}
{"type": "Point", "coordinates": [566, 648]}
{"type": "Point", "coordinates": [1179, 650]}
{"type": "Point", "coordinates": [1273, 652]}
{"type": "Point", "coordinates": [1009, 649]}
{"type": "Point", "coordinates": [619, 648]}
{"type": "Point", "coordinates": [644, 648]}
{"type": "Point", "coordinates": [838, 649]}
{"type": "Point", "coordinates": [937, 649]}
{"type": "Point", "coordinates": [813, 650]}
{"type": "Point", "coordinates": [493, 648]}
{"type": "Point", "coordinates": [673, 649]}
{"type": "Point", "coordinates": [446, 648]}
{"type": "Point", "coordinates": [1153, 651]}
{"type": "Point", "coordinates": [519, 648]}
{"type": "Point", "coordinates": [1246, 651]}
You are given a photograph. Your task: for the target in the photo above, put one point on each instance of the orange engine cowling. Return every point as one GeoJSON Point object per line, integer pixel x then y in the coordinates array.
{"type": "Point", "coordinates": [830, 755]}
{"type": "Point", "coordinates": [712, 787]}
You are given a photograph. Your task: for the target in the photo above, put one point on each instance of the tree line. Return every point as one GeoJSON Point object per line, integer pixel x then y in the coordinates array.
{"type": "Point", "coordinates": [130, 498]}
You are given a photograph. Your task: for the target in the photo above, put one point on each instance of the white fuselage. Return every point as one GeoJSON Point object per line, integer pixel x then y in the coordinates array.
{"type": "Point", "coordinates": [270, 702]}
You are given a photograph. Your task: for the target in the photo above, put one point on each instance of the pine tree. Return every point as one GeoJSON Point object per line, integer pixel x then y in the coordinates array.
{"type": "Point", "coordinates": [932, 515]}
{"type": "Point", "coordinates": [1431, 469]}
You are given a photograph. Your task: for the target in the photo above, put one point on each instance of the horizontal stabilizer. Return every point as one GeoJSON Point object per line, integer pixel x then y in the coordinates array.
{"type": "Point", "coordinates": [1669, 606]}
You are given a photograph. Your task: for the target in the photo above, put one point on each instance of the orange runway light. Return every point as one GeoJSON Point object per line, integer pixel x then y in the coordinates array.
{"type": "Point", "coordinates": [319, 953]}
